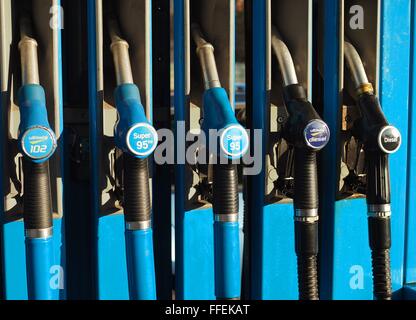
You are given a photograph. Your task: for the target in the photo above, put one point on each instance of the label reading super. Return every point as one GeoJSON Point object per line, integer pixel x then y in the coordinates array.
{"type": "Point", "coordinates": [142, 139]}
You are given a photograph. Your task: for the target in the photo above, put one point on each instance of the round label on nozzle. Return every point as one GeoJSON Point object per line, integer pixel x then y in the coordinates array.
{"type": "Point", "coordinates": [389, 139]}
{"type": "Point", "coordinates": [142, 139]}
{"type": "Point", "coordinates": [38, 143]}
{"type": "Point", "coordinates": [316, 134]}
{"type": "Point", "coordinates": [234, 141]}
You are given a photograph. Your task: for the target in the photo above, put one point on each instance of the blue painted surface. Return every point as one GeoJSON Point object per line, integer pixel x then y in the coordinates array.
{"type": "Point", "coordinates": [394, 96]}
{"type": "Point", "coordinates": [194, 232]}
{"type": "Point", "coordinates": [15, 282]}
{"type": "Point", "coordinates": [140, 264]}
{"type": "Point", "coordinates": [278, 273]}
{"type": "Point", "coordinates": [227, 260]}
{"type": "Point", "coordinates": [39, 261]}
{"type": "Point", "coordinates": [196, 255]}
{"type": "Point", "coordinates": [410, 256]}
{"type": "Point", "coordinates": [111, 259]}
{"type": "Point", "coordinates": [345, 254]}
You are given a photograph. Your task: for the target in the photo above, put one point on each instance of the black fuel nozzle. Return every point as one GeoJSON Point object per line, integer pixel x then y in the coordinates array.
{"type": "Point", "coordinates": [380, 139]}
{"type": "Point", "coordinates": [308, 134]}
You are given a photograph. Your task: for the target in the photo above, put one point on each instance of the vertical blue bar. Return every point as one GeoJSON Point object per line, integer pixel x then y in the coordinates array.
{"type": "Point", "coordinates": [394, 97]}
{"type": "Point", "coordinates": [93, 132]}
{"type": "Point", "coordinates": [329, 161]}
{"type": "Point", "coordinates": [410, 256]}
{"type": "Point", "coordinates": [140, 264]}
{"type": "Point", "coordinates": [39, 260]}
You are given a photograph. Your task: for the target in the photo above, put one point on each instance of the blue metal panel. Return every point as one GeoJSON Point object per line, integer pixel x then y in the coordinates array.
{"type": "Point", "coordinates": [410, 262]}
{"type": "Point", "coordinates": [345, 259]}
{"type": "Point", "coordinates": [112, 281]}
{"type": "Point", "coordinates": [279, 277]}
{"type": "Point", "coordinates": [394, 96]}
{"type": "Point", "coordinates": [15, 261]}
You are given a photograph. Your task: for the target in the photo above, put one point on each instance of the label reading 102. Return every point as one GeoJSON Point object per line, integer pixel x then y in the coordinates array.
{"type": "Point", "coordinates": [38, 143]}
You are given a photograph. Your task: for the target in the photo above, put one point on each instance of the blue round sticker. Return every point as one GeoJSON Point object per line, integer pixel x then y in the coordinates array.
{"type": "Point", "coordinates": [142, 139]}
{"type": "Point", "coordinates": [316, 134]}
{"type": "Point", "coordinates": [234, 141]}
{"type": "Point", "coordinates": [38, 143]}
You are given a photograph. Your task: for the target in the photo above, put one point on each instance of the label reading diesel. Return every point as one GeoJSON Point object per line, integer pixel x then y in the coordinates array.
{"type": "Point", "coordinates": [142, 139]}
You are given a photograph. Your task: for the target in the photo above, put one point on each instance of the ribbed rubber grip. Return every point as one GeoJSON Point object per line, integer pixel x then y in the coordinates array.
{"type": "Point", "coordinates": [308, 277]}
{"type": "Point", "coordinates": [225, 189]}
{"type": "Point", "coordinates": [137, 203]}
{"type": "Point", "coordinates": [306, 242]}
{"type": "Point", "coordinates": [306, 179]}
{"type": "Point", "coordinates": [379, 230]}
{"type": "Point", "coordinates": [37, 208]}
{"type": "Point", "coordinates": [378, 178]}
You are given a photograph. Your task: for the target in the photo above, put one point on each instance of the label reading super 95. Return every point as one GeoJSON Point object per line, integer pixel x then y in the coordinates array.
{"type": "Point", "coordinates": [142, 139]}
{"type": "Point", "coordinates": [38, 143]}
{"type": "Point", "coordinates": [234, 141]}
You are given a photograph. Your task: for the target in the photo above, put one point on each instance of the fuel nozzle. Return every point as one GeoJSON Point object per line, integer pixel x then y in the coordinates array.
{"type": "Point", "coordinates": [380, 139]}
{"type": "Point", "coordinates": [137, 138]}
{"type": "Point", "coordinates": [218, 115]}
{"type": "Point", "coordinates": [308, 134]}
{"type": "Point", "coordinates": [37, 143]}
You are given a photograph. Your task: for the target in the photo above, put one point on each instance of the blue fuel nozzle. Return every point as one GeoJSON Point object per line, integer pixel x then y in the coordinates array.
{"type": "Point", "coordinates": [133, 132]}
{"type": "Point", "coordinates": [37, 141]}
{"type": "Point", "coordinates": [218, 115]}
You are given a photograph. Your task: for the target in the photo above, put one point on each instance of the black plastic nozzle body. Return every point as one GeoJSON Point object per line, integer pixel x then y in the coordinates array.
{"type": "Point", "coordinates": [372, 129]}
{"type": "Point", "coordinates": [301, 114]}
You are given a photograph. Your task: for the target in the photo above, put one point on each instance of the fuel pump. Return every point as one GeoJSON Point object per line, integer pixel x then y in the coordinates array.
{"type": "Point", "coordinates": [306, 133]}
{"type": "Point", "coordinates": [218, 115]}
{"type": "Point", "coordinates": [380, 139]}
{"type": "Point", "coordinates": [37, 143]}
{"type": "Point", "coordinates": [136, 137]}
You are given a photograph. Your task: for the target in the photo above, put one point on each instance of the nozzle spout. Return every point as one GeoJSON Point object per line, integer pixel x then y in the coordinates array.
{"type": "Point", "coordinates": [205, 52]}
{"type": "Point", "coordinates": [120, 50]}
{"type": "Point", "coordinates": [284, 58]}
{"type": "Point", "coordinates": [356, 67]}
{"type": "Point", "coordinates": [28, 48]}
